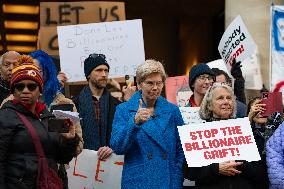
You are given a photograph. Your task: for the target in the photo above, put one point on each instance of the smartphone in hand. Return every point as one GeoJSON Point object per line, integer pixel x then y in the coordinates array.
{"type": "Point", "coordinates": [130, 80]}
{"type": "Point", "coordinates": [273, 101]}
{"type": "Point", "coordinates": [58, 125]}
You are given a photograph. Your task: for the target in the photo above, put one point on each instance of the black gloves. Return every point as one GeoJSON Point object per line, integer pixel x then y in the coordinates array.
{"type": "Point", "coordinates": [236, 69]}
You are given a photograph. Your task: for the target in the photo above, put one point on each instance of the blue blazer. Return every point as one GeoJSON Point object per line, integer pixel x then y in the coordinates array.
{"type": "Point", "coordinates": [153, 152]}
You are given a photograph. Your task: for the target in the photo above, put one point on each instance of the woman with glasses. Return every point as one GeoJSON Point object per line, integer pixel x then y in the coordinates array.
{"type": "Point", "coordinates": [219, 103]}
{"type": "Point", "coordinates": [145, 131]}
{"type": "Point", "coordinates": [18, 156]}
{"type": "Point", "coordinates": [201, 78]}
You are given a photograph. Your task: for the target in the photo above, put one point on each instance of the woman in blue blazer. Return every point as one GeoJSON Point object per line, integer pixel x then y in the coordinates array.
{"type": "Point", "coordinates": [145, 131]}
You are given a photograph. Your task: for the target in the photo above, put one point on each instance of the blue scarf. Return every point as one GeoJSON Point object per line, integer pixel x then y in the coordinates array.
{"type": "Point", "coordinates": [93, 140]}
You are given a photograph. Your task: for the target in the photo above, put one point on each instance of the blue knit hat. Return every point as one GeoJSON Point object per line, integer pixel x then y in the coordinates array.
{"type": "Point", "coordinates": [93, 61]}
{"type": "Point", "coordinates": [198, 70]}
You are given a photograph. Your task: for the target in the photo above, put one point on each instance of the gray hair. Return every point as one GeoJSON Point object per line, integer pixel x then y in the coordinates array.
{"type": "Point", "coordinates": [204, 111]}
{"type": "Point", "coordinates": [6, 54]}
{"type": "Point", "coordinates": [149, 67]}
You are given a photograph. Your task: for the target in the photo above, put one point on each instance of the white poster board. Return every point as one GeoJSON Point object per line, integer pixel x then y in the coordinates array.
{"type": "Point", "coordinates": [236, 42]}
{"type": "Point", "coordinates": [251, 72]}
{"type": "Point", "coordinates": [218, 141]}
{"type": "Point", "coordinates": [220, 64]}
{"type": "Point", "coordinates": [190, 115]}
{"type": "Point", "coordinates": [250, 69]}
{"type": "Point", "coordinates": [88, 172]}
{"type": "Point", "coordinates": [121, 42]}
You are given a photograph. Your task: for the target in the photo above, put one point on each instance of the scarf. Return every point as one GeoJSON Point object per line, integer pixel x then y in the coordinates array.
{"type": "Point", "coordinates": [93, 140]}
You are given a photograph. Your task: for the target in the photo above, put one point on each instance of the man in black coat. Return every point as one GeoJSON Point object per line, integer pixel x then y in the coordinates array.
{"type": "Point", "coordinates": [7, 63]}
{"type": "Point", "coordinates": [96, 106]}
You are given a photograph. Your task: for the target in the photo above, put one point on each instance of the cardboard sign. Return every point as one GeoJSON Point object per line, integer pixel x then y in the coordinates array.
{"type": "Point", "coordinates": [53, 14]}
{"type": "Point", "coordinates": [218, 141]}
{"type": "Point", "coordinates": [190, 115]}
{"type": "Point", "coordinates": [236, 42]}
{"type": "Point", "coordinates": [70, 13]}
{"type": "Point", "coordinates": [88, 172]}
{"type": "Point", "coordinates": [177, 90]}
{"type": "Point", "coordinates": [48, 40]}
{"type": "Point", "coordinates": [121, 42]}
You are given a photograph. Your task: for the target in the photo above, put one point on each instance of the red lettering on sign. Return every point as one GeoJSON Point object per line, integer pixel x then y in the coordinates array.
{"type": "Point", "coordinates": [77, 174]}
{"type": "Point", "coordinates": [99, 170]}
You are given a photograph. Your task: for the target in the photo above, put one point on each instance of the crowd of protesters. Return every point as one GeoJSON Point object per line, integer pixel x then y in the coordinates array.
{"type": "Point", "coordinates": [134, 121]}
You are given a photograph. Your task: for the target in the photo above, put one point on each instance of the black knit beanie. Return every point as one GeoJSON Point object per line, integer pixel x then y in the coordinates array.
{"type": "Point", "coordinates": [93, 61]}
{"type": "Point", "coordinates": [198, 70]}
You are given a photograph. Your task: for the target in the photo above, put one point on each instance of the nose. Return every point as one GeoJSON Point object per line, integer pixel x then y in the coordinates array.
{"type": "Point", "coordinates": [104, 73]}
{"type": "Point", "coordinates": [11, 66]}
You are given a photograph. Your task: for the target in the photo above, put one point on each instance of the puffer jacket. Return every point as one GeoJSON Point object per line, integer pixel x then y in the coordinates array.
{"type": "Point", "coordinates": [275, 158]}
{"type": "Point", "coordinates": [18, 158]}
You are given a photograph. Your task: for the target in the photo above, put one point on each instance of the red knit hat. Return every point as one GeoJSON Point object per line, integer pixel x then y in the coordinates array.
{"type": "Point", "coordinates": [26, 71]}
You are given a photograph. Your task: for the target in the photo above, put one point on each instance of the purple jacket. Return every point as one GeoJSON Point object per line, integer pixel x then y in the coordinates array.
{"type": "Point", "coordinates": [275, 158]}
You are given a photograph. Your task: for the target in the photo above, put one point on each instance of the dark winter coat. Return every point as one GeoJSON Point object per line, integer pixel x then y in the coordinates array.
{"type": "Point", "coordinates": [95, 135]}
{"type": "Point", "coordinates": [18, 158]}
{"type": "Point", "coordinates": [4, 89]}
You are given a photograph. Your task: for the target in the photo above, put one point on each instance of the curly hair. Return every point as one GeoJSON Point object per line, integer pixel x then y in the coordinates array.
{"type": "Point", "coordinates": [204, 112]}
{"type": "Point", "coordinates": [149, 67]}
{"type": "Point", "coordinates": [51, 83]}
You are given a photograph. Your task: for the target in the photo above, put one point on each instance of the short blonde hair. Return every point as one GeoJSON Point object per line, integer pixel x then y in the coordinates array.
{"type": "Point", "coordinates": [149, 67]}
{"type": "Point", "coordinates": [204, 112]}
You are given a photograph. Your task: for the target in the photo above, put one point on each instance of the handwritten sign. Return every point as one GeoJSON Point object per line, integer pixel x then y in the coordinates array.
{"type": "Point", "coordinates": [67, 13]}
{"type": "Point", "coordinates": [121, 42]}
{"type": "Point", "coordinates": [236, 42]}
{"type": "Point", "coordinates": [218, 141]}
{"type": "Point", "coordinates": [177, 90]}
{"type": "Point", "coordinates": [53, 14]}
{"type": "Point", "coordinates": [88, 172]}
{"type": "Point", "coordinates": [190, 115]}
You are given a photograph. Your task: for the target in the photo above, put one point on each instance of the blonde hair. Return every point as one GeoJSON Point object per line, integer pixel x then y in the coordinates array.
{"type": "Point", "coordinates": [204, 112]}
{"type": "Point", "coordinates": [149, 67]}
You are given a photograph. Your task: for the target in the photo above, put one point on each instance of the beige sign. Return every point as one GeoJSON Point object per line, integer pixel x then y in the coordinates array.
{"type": "Point", "coordinates": [53, 14]}
{"type": "Point", "coordinates": [70, 13]}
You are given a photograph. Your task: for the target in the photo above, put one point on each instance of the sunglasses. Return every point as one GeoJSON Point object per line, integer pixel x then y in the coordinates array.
{"type": "Point", "coordinates": [31, 86]}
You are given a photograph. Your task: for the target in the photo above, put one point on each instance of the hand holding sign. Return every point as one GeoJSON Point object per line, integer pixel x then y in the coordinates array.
{"type": "Point", "coordinates": [228, 168]}
{"type": "Point", "coordinates": [236, 71]}
{"type": "Point", "coordinates": [142, 115]}
{"type": "Point", "coordinates": [104, 152]}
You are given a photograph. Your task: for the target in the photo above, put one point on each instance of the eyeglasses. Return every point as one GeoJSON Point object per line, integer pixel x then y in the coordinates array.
{"type": "Point", "coordinates": [31, 86]}
{"type": "Point", "coordinates": [151, 84]}
{"type": "Point", "coordinates": [204, 78]}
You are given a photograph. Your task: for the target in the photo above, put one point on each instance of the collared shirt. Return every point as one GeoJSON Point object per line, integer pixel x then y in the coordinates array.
{"type": "Point", "coordinates": [191, 102]}
{"type": "Point", "coordinates": [97, 109]}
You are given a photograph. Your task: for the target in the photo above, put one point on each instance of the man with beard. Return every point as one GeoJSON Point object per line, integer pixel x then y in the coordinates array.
{"type": "Point", "coordinates": [7, 62]}
{"type": "Point", "coordinates": [96, 106]}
